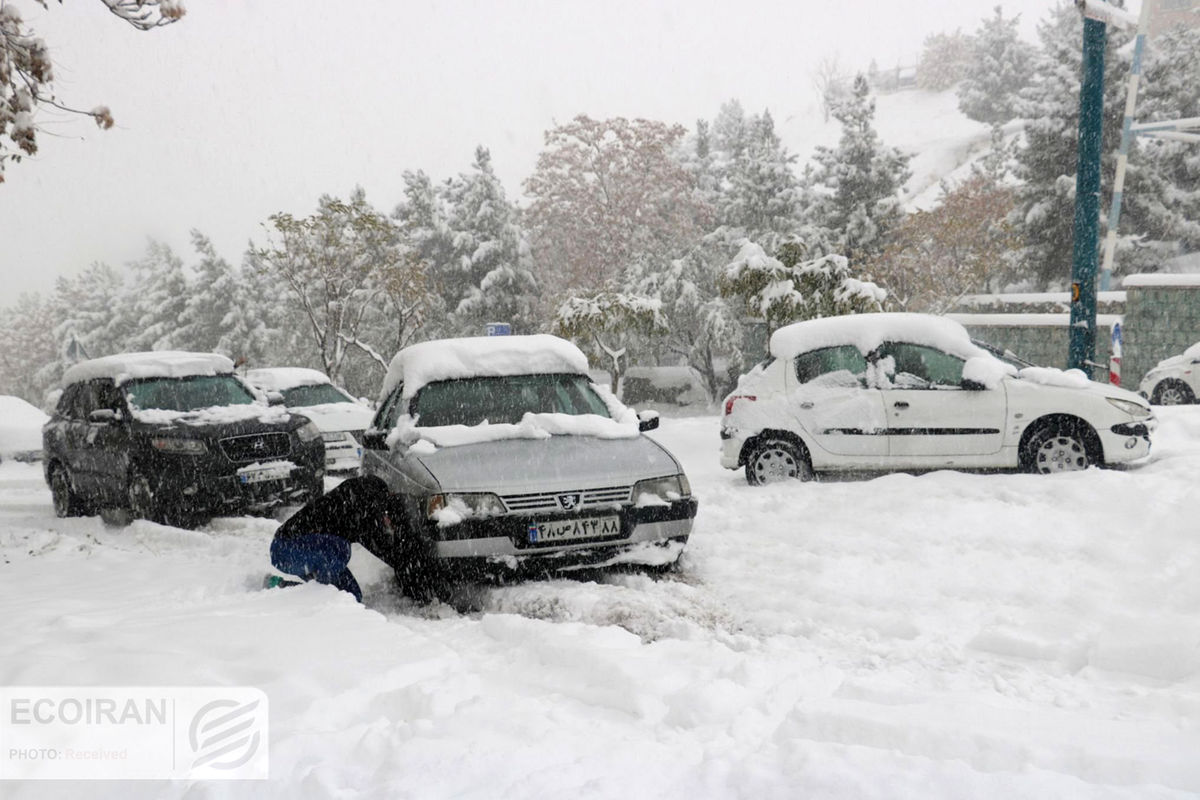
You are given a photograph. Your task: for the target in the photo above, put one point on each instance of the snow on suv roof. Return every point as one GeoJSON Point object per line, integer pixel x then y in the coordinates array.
{"type": "Point", "coordinates": [160, 364]}
{"type": "Point", "coordinates": [446, 359]}
{"type": "Point", "coordinates": [868, 331]}
{"type": "Point", "coordinates": [274, 379]}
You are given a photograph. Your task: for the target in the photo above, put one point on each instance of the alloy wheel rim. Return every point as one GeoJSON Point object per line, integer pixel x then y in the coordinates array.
{"type": "Point", "coordinates": [1061, 454]}
{"type": "Point", "coordinates": [59, 492]}
{"type": "Point", "coordinates": [1171, 396]}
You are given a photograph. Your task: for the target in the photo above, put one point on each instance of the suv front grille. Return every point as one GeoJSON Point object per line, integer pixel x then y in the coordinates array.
{"type": "Point", "coordinates": [550, 501]}
{"type": "Point", "coordinates": [256, 446]}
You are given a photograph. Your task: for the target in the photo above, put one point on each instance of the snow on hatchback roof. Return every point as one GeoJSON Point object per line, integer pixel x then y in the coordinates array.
{"type": "Point", "coordinates": [446, 359]}
{"type": "Point", "coordinates": [868, 331]}
{"type": "Point", "coordinates": [160, 364]}
{"type": "Point", "coordinates": [274, 379]}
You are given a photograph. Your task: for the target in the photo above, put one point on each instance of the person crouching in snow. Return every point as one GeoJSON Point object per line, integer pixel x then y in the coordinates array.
{"type": "Point", "coordinates": [314, 544]}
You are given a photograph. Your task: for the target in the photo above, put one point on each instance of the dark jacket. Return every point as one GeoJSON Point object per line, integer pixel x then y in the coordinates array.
{"type": "Point", "coordinates": [353, 511]}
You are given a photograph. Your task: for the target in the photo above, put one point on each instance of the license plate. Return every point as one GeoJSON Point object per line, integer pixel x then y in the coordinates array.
{"type": "Point", "coordinates": [567, 529]}
{"type": "Point", "coordinates": [264, 475]}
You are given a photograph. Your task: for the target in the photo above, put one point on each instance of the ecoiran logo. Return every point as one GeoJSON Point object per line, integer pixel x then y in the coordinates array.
{"type": "Point", "coordinates": [124, 733]}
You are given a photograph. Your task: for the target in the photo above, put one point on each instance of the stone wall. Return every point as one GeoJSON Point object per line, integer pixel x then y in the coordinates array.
{"type": "Point", "coordinates": [1039, 338]}
{"type": "Point", "coordinates": [1162, 319]}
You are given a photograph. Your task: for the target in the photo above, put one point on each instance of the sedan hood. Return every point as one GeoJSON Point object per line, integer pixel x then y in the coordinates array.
{"type": "Point", "coordinates": [330, 417]}
{"type": "Point", "coordinates": [560, 463]}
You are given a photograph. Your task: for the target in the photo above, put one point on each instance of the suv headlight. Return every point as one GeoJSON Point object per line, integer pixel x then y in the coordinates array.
{"type": "Point", "coordinates": [656, 491]}
{"type": "Point", "coordinates": [334, 436]}
{"type": "Point", "coordinates": [453, 507]}
{"type": "Point", "coordinates": [167, 444]}
{"type": "Point", "coordinates": [1129, 406]}
{"type": "Point", "coordinates": [308, 431]}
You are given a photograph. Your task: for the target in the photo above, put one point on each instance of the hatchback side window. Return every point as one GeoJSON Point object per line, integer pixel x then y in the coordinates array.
{"type": "Point", "coordinates": [832, 366]}
{"type": "Point", "coordinates": [914, 366]}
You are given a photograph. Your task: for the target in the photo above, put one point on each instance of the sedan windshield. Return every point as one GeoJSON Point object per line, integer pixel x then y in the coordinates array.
{"type": "Point", "coordinates": [504, 399]}
{"type": "Point", "coordinates": [314, 395]}
{"type": "Point", "coordinates": [187, 394]}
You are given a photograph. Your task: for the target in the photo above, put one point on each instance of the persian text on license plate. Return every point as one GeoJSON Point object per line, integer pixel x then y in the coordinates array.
{"type": "Point", "coordinates": [263, 475]}
{"type": "Point", "coordinates": [567, 529]}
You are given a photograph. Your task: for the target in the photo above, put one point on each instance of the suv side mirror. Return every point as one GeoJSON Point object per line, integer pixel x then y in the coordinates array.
{"type": "Point", "coordinates": [104, 415]}
{"type": "Point", "coordinates": [374, 439]}
{"type": "Point", "coordinates": [647, 421]}
{"type": "Point", "coordinates": [275, 399]}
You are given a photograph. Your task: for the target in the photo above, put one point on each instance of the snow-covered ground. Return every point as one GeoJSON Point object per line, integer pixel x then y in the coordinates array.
{"type": "Point", "coordinates": [942, 635]}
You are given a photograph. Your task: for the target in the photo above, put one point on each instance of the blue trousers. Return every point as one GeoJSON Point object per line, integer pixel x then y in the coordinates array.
{"type": "Point", "coordinates": [319, 557]}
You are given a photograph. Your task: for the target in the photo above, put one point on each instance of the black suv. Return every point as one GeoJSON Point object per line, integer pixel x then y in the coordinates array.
{"type": "Point", "coordinates": [174, 437]}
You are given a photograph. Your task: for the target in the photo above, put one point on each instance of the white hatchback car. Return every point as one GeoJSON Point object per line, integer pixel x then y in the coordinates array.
{"type": "Point", "coordinates": [340, 418]}
{"type": "Point", "coordinates": [1174, 381]}
{"type": "Point", "coordinates": [908, 391]}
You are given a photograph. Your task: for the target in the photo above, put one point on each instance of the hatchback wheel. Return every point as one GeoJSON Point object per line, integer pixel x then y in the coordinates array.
{"type": "Point", "coordinates": [1059, 448]}
{"type": "Point", "coordinates": [777, 460]}
{"type": "Point", "coordinates": [1172, 393]}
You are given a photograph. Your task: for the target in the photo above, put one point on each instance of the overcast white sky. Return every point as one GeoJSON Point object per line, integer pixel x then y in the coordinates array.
{"type": "Point", "coordinates": [248, 107]}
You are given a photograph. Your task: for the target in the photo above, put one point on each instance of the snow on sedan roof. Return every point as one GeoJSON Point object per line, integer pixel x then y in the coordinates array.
{"type": "Point", "coordinates": [159, 364]}
{"type": "Point", "coordinates": [275, 379]}
{"type": "Point", "coordinates": [446, 359]}
{"type": "Point", "coordinates": [868, 331]}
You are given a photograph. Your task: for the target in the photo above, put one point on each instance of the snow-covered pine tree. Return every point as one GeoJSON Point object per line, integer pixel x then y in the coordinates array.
{"type": "Point", "coordinates": [424, 224]}
{"type": "Point", "coordinates": [496, 284]}
{"type": "Point", "coordinates": [945, 59]}
{"type": "Point", "coordinates": [999, 67]}
{"type": "Point", "coordinates": [857, 183]}
{"type": "Point", "coordinates": [1045, 167]}
{"type": "Point", "coordinates": [156, 298]}
{"type": "Point", "coordinates": [27, 330]}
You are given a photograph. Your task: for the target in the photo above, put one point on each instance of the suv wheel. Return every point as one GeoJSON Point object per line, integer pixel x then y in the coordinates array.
{"type": "Point", "coordinates": [1172, 392]}
{"type": "Point", "coordinates": [66, 502]}
{"type": "Point", "coordinates": [775, 460]}
{"type": "Point", "coordinates": [1060, 447]}
{"type": "Point", "coordinates": [140, 496]}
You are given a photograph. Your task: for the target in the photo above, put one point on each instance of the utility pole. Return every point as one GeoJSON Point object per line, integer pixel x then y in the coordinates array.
{"type": "Point", "coordinates": [1082, 349]}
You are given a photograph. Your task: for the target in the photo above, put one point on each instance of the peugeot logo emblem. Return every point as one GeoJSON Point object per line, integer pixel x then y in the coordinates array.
{"type": "Point", "coordinates": [259, 444]}
{"type": "Point", "coordinates": [568, 501]}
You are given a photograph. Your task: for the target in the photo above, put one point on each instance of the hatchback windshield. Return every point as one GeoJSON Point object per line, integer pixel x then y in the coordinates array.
{"type": "Point", "coordinates": [187, 394]}
{"type": "Point", "coordinates": [314, 395]}
{"type": "Point", "coordinates": [471, 401]}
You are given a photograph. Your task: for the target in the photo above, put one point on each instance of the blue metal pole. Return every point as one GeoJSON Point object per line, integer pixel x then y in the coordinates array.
{"type": "Point", "coordinates": [1081, 353]}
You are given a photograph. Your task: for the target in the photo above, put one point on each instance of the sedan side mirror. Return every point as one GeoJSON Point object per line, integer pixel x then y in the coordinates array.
{"type": "Point", "coordinates": [647, 421]}
{"type": "Point", "coordinates": [972, 386]}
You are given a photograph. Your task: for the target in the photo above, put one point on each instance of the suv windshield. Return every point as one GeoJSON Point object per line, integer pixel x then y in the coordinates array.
{"type": "Point", "coordinates": [187, 394]}
{"type": "Point", "coordinates": [471, 401]}
{"type": "Point", "coordinates": [314, 395]}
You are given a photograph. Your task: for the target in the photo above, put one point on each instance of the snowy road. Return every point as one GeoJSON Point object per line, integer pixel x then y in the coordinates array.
{"type": "Point", "coordinates": [943, 635]}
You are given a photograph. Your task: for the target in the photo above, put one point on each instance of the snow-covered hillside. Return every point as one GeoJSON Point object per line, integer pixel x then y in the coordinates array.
{"type": "Point", "coordinates": [945, 635]}
{"type": "Point", "coordinates": [927, 125]}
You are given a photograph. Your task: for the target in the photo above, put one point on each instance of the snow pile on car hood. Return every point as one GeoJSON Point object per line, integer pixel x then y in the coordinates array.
{"type": "Point", "coordinates": [20, 426]}
{"type": "Point", "coordinates": [215, 415]}
{"type": "Point", "coordinates": [446, 359]}
{"type": "Point", "coordinates": [276, 379]}
{"type": "Point", "coordinates": [160, 364]}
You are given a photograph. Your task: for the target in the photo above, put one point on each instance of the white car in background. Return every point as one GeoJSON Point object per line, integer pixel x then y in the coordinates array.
{"type": "Point", "coordinates": [1174, 381]}
{"type": "Point", "coordinates": [340, 418]}
{"type": "Point", "coordinates": [909, 391]}
{"type": "Point", "coordinates": [20, 429]}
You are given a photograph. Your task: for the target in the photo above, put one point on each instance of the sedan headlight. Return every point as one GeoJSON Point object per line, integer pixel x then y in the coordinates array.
{"type": "Point", "coordinates": [1129, 406]}
{"type": "Point", "coordinates": [659, 491]}
{"type": "Point", "coordinates": [308, 431]}
{"type": "Point", "coordinates": [453, 507]}
{"type": "Point", "coordinates": [167, 444]}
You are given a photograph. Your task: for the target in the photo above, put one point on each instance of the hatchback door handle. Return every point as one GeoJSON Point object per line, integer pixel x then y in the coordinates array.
{"type": "Point", "coordinates": [900, 404]}
{"type": "Point", "coordinates": [807, 404]}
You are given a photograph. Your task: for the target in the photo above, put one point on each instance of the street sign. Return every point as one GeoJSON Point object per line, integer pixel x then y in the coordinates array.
{"type": "Point", "coordinates": [499, 329]}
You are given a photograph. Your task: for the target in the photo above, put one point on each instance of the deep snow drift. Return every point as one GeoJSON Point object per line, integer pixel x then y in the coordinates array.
{"type": "Point", "coordinates": [943, 635]}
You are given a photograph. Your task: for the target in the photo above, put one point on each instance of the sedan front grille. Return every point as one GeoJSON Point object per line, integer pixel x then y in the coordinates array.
{"type": "Point", "coordinates": [567, 501]}
{"type": "Point", "coordinates": [256, 446]}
